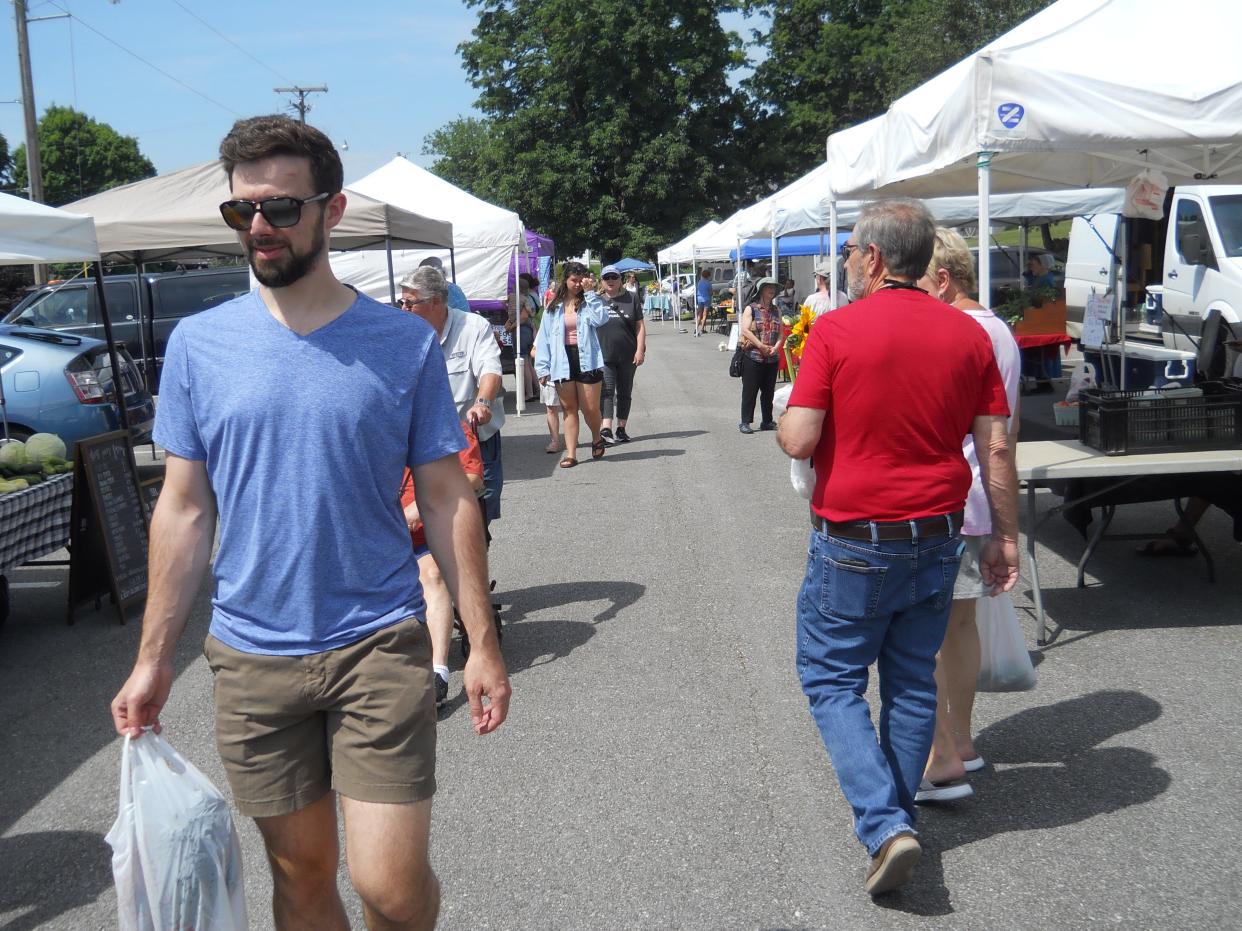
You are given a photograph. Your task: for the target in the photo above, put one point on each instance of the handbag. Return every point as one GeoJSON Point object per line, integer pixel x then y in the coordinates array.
{"type": "Point", "coordinates": [735, 364]}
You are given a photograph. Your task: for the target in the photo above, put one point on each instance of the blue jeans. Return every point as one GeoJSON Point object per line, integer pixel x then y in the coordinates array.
{"type": "Point", "coordinates": [884, 602]}
{"type": "Point", "coordinates": [493, 476]}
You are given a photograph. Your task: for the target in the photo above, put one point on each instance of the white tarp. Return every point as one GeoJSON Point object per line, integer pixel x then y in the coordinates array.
{"type": "Point", "coordinates": [485, 236]}
{"type": "Point", "coordinates": [177, 215]}
{"type": "Point", "coordinates": [1084, 94]}
{"type": "Point", "coordinates": [683, 250]}
{"type": "Point", "coordinates": [31, 233]}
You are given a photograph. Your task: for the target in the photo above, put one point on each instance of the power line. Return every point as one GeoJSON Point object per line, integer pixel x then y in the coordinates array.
{"type": "Point", "coordinates": [258, 61]}
{"type": "Point", "coordinates": [156, 68]}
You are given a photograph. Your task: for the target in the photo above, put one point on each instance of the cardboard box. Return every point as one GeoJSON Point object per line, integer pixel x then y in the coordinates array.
{"type": "Point", "coordinates": [1047, 319]}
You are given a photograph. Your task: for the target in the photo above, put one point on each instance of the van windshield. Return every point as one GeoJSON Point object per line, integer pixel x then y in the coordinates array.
{"type": "Point", "coordinates": [1228, 214]}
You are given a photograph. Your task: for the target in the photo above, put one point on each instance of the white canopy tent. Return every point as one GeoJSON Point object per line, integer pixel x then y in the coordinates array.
{"type": "Point", "coordinates": [683, 250]}
{"type": "Point", "coordinates": [177, 216]}
{"type": "Point", "coordinates": [485, 237]}
{"type": "Point", "coordinates": [31, 233]}
{"type": "Point", "coordinates": [1068, 99]}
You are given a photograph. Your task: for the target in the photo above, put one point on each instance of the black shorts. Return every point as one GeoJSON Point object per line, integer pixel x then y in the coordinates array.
{"type": "Point", "coordinates": [593, 377]}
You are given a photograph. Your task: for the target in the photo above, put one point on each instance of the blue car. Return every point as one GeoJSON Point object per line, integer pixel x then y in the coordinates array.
{"type": "Point", "coordinates": [61, 383]}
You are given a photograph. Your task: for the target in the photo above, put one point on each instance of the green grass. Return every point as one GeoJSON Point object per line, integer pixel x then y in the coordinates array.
{"type": "Point", "coordinates": [1012, 236]}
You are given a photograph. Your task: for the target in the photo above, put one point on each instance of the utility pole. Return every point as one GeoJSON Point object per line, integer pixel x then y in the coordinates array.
{"type": "Point", "coordinates": [302, 106]}
{"type": "Point", "coordinates": [34, 166]}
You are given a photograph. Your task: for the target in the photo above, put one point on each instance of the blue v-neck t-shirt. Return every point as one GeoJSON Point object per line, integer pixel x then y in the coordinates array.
{"type": "Point", "coordinates": [305, 439]}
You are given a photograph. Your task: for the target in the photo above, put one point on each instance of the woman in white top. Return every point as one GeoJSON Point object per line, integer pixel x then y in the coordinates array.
{"type": "Point", "coordinates": [951, 277]}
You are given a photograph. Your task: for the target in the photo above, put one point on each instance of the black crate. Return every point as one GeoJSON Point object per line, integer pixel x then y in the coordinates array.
{"type": "Point", "coordinates": [1121, 422]}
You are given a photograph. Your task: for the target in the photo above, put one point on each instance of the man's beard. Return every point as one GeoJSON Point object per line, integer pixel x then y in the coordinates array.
{"type": "Point", "coordinates": [853, 286]}
{"type": "Point", "coordinates": [289, 269]}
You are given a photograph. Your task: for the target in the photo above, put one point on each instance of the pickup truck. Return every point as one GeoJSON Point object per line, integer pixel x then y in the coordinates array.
{"type": "Point", "coordinates": [73, 306]}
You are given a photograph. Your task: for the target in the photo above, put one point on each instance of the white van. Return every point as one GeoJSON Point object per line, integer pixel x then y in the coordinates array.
{"type": "Point", "coordinates": [1194, 254]}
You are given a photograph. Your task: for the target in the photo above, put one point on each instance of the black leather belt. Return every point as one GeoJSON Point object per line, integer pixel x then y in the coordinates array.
{"type": "Point", "coordinates": [898, 530]}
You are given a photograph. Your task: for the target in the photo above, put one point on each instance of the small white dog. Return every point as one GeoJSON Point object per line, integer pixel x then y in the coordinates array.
{"type": "Point", "coordinates": [724, 345]}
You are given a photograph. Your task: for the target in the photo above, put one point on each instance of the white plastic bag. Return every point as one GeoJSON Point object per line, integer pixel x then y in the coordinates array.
{"type": "Point", "coordinates": [1144, 197]}
{"type": "Point", "coordinates": [176, 859]}
{"type": "Point", "coordinates": [801, 473]}
{"type": "Point", "coordinates": [1082, 378]}
{"type": "Point", "coordinates": [1005, 665]}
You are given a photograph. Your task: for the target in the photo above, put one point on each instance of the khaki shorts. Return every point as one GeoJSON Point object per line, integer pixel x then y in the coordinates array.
{"type": "Point", "coordinates": [969, 584]}
{"type": "Point", "coordinates": [360, 719]}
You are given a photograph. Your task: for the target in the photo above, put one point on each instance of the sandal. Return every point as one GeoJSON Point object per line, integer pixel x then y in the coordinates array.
{"type": "Point", "coordinates": [597, 449]}
{"type": "Point", "coordinates": [1169, 545]}
{"type": "Point", "coordinates": [552, 448]}
{"type": "Point", "coordinates": [568, 462]}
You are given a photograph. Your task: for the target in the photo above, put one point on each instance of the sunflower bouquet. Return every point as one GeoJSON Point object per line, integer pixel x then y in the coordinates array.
{"type": "Point", "coordinates": [795, 342]}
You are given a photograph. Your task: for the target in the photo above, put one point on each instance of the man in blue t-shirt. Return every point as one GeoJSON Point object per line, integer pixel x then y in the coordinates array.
{"type": "Point", "coordinates": [702, 300]}
{"type": "Point", "coordinates": [289, 414]}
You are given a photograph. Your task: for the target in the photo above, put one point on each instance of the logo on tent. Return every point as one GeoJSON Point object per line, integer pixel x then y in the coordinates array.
{"type": "Point", "coordinates": [1010, 114]}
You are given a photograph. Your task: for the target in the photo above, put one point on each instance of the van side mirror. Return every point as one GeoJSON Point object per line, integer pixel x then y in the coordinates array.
{"type": "Point", "coordinates": [1190, 246]}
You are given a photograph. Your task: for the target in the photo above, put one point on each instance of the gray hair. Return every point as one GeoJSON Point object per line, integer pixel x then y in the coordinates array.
{"type": "Point", "coordinates": [427, 280]}
{"type": "Point", "coordinates": [903, 232]}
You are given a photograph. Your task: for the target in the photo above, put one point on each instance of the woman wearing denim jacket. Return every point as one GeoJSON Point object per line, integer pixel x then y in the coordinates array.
{"type": "Point", "coordinates": [567, 353]}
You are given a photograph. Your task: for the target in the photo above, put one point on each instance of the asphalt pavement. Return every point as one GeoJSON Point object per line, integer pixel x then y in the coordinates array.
{"type": "Point", "coordinates": [659, 768]}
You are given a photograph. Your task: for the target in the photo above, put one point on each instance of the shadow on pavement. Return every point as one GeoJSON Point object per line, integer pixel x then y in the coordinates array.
{"type": "Point", "coordinates": [47, 873]}
{"type": "Point", "coordinates": [537, 643]}
{"type": "Point", "coordinates": [1055, 774]}
{"type": "Point", "coordinates": [633, 455]}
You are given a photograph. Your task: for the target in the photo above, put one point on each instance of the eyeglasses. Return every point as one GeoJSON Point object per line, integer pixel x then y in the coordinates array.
{"type": "Point", "coordinates": [612, 277]}
{"type": "Point", "coordinates": [849, 249]}
{"type": "Point", "coordinates": [407, 304]}
{"type": "Point", "coordinates": [280, 212]}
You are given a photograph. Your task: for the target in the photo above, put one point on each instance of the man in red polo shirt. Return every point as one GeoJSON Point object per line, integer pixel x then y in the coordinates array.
{"type": "Point", "coordinates": [888, 387]}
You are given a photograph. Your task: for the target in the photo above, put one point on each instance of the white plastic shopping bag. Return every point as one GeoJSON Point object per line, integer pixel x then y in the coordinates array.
{"type": "Point", "coordinates": [1005, 665]}
{"type": "Point", "coordinates": [801, 472]}
{"type": "Point", "coordinates": [1144, 196]}
{"type": "Point", "coordinates": [176, 859]}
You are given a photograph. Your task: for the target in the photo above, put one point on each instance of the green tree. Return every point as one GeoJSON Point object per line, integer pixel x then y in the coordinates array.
{"type": "Point", "coordinates": [81, 157]}
{"type": "Point", "coordinates": [606, 123]}
{"type": "Point", "coordinates": [5, 162]}
{"type": "Point", "coordinates": [833, 63]}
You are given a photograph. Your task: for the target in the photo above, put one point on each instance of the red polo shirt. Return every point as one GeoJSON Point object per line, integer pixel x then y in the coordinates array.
{"type": "Point", "coordinates": [900, 376]}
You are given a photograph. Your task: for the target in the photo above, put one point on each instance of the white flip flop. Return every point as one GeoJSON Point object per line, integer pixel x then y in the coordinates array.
{"type": "Point", "coordinates": [973, 766]}
{"type": "Point", "coordinates": [942, 792]}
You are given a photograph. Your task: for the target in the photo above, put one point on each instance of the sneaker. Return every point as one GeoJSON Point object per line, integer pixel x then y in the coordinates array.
{"type": "Point", "coordinates": [606, 436]}
{"type": "Point", "coordinates": [441, 690]}
{"type": "Point", "coordinates": [893, 865]}
{"type": "Point", "coordinates": [768, 425]}
{"type": "Point", "coordinates": [622, 436]}
{"type": "Point", "coordinates": [745, 428]}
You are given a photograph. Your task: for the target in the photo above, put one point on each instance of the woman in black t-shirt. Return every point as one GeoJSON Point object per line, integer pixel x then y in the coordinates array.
{"type": "Point", "coordinates": [624, 342]}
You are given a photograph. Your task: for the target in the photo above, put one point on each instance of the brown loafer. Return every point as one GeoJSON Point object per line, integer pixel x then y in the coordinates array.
{"type": "Point", "coordinates": [893, 865]}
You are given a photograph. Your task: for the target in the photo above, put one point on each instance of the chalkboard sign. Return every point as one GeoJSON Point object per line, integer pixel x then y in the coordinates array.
{"type": "Point", "coordinates": [108, 534]}
{"type": "Point", "coordinates": [151, 489]}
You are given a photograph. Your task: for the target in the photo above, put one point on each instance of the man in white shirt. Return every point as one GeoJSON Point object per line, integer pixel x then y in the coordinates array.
{"type": "Point", "coordinates": [820, 300]}
{"type": "Point", "coordinates": [473, 361]}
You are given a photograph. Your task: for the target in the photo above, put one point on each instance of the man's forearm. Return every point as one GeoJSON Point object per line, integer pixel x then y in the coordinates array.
{"type": "Point", "coordinates": [489, 387]}
{"type": "Point", "coordinates": [180, 550]}
{"type": "Point", "coordinates": [454, 530]}
{"type": "Point", "coordinates": [1000, 478]}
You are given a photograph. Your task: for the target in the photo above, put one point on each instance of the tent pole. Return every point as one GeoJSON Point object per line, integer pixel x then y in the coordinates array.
{"type": "Point", "coordinates": [1122, 285]}
{"type": "Point", "coordinates": [1022, 246]}
{"type": "Point", "coordinates": [453, 264]}
{"type": "Point", "coordinates": [835, 284]}
{"type": "Point", "coordinates": [392, 284]}
{"type": "Point", "coordinates": [519, 362]}
{"type": "Point", "coordinates": [677, 327]}
{"type": "Point", "coordinates": [985, 229]}
{"type": "Point", "coordinates": [118, 390]}
{"type": "Point", "coordinates": [694, 284]}
{"type": "Point", "coordinates": [775, 261]}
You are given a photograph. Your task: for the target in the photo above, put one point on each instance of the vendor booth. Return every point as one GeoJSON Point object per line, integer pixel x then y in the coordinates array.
{"type": "Point", "coordinates": [1062, 101]}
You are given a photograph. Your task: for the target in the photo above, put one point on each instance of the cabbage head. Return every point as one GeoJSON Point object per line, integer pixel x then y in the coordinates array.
{"type": "Point", "coordinates": [44, 446]}
{"type": "Point", "coordinates": [12, 454]}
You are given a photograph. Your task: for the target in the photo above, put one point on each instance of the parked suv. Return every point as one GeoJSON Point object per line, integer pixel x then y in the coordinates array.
{"type": "Point", "coordinates": [73, 307]}
{"type": "Point", "coordinates": [57, 382]}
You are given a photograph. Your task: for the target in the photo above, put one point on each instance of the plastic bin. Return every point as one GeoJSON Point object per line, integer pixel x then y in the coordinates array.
{"type": "Point", "coordinates": [1153, 307]}
{"type": "Point", "coordinates": [1164, 420]}
{"type": "Point", "coordinates": [1147, 366]}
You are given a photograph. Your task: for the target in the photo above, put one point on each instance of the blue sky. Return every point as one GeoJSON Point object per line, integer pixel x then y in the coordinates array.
{"type": "Point", "coordinates": [391, 67]}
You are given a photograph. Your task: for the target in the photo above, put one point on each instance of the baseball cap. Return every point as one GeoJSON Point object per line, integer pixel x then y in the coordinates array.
{"type": "Point", "coordinates": [823, 269]}
{"type": "Point", "coordinates": [609, 270]}
{"type": "Point", "coordinates": [433, 261]}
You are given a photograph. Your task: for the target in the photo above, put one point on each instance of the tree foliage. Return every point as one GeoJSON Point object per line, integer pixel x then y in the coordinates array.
{"type": "Point", "coordinates": [5, 161]}
{"type": "Point", "coordinates": [81, 157]}
{"type": "Point", "coordinates": [833, 63]}
{"type": "Point", "coordinates": [606, 123]}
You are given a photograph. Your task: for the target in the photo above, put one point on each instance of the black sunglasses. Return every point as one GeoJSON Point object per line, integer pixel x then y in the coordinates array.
{"type": "Point", "coordinates": [280, 212]}
{"type": "Point", "coordinates": [849, 249]}
{"type": "Point", "coordinates": [612, 277]}
{"type": "Point", "coordinates": [407, 304]}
